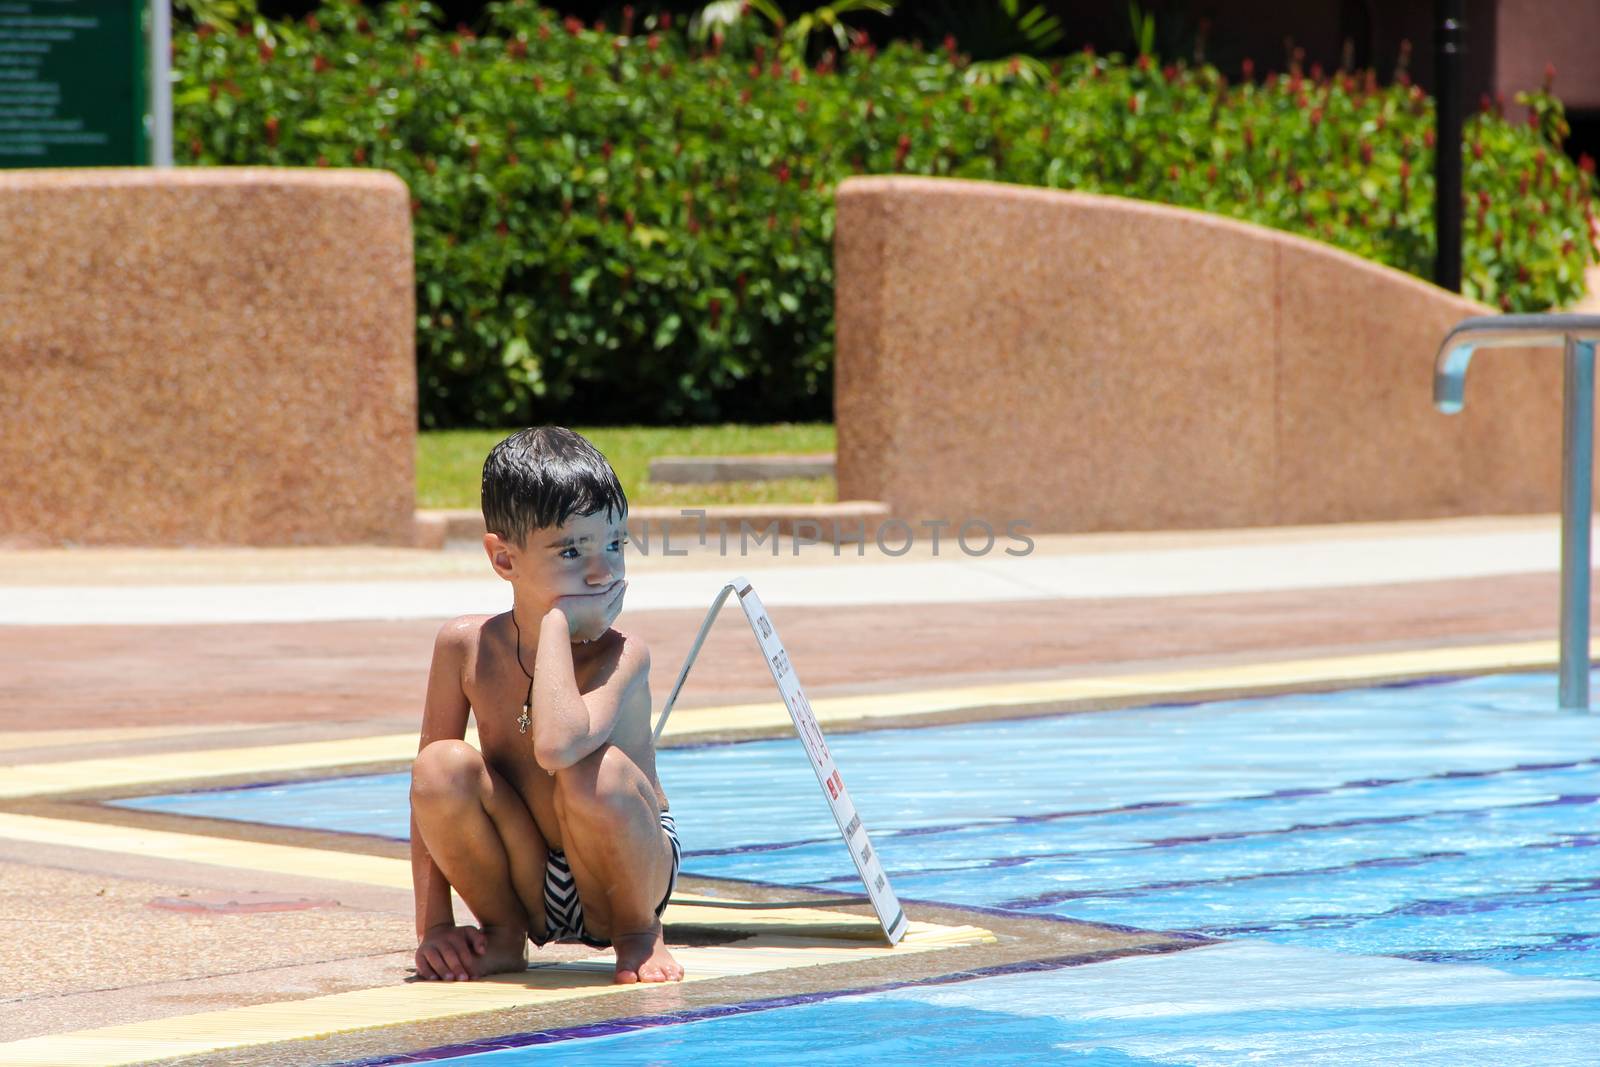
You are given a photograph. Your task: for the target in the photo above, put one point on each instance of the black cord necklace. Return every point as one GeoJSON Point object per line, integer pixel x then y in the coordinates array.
{"type": "Point", "coordinates": [524, 720]}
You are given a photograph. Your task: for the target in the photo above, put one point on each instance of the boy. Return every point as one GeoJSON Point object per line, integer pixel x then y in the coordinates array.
{"type": "Point", "coordinates": [558, 830]}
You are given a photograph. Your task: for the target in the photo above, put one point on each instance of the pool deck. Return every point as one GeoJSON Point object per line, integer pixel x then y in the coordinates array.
{"type": "Point", "coordinates": [139, 937]}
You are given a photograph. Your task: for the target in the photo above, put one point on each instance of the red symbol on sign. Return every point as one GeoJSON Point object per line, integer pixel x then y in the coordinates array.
{"type": "Point", "coordinates": [833, 790]}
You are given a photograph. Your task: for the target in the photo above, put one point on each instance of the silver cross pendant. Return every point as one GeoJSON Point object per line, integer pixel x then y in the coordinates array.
{"type": "Point", "coordinates": [525, 719]}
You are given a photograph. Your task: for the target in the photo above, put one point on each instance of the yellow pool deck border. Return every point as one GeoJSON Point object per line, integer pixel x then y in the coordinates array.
{"type": "Point", "coordinates": [107, 775]}
{"type": "Point", "coordinates": [404, 1003]}
{"type": "Point", "coordinates": [773, 937]}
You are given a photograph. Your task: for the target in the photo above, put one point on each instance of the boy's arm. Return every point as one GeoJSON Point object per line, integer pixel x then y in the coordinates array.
{"type": "Point", "coordinates": [444, 715]}
{"type": "Point", "coordinates": [569, 725]}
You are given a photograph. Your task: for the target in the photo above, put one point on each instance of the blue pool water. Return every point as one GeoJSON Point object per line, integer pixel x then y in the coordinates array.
{"type": "Point", "coordinates": [1447, 830]}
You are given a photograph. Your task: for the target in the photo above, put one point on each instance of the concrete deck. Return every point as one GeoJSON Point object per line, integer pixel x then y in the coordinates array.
{"type": "Point", "coordinates": [139, 937]}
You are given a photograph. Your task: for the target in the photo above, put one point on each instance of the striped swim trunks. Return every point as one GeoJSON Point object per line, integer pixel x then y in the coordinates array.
{"type": "Point", "coordinates": [563, 911]}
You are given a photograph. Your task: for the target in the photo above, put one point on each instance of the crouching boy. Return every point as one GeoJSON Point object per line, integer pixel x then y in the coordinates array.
{"type": "Point", "coordinates": [558, 830]}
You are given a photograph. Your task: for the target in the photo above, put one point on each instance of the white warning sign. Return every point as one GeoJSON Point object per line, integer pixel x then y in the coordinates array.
{"type": "Point", "coordinates": [887, 905]}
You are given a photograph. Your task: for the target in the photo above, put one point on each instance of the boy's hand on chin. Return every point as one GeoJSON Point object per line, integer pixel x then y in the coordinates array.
{"type": "Point", "coordinates": [589, 615]}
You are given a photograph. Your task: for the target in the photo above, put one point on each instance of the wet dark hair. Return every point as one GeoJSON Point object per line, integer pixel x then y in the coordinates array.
{"type": "Point", "coordinates": [539, 477]}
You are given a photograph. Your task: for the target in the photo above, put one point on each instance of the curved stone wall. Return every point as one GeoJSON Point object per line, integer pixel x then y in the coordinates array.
{"type": "Point", "coordinates": [206, 356]}
{"type": "Point", "coordinates": [1087, 362]}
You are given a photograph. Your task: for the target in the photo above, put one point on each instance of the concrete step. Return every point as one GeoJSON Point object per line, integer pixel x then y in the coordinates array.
{"type": "Point", "coordinates": [700, 470]}
{"type": "Point", "coordinates": [845, 522]}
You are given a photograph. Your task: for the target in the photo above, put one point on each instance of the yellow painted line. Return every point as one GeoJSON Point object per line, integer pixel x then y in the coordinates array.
{"type": "Point", "coordinates": [11, 740]}
{"type": "Point", "coordinates": [217, 851]}
{"type": "Point", "coordinates": [402, 1003]}
{"type": "Point", "coordinates": [295, 861]}
{"type": "Point", "coordinates": [1153, 684]}
{"type": "Point", "coordinates": [79, 775]}
{"type": "Point", "coordinates": [69, 776]}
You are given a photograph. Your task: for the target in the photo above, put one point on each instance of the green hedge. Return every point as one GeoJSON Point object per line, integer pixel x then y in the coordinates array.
{"type": "Point", "coordinates": [616, 226]}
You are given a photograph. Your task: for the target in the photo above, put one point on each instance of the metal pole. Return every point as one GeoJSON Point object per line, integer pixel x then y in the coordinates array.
{"type": "Point", "coordinates": [1447, 145]}
{"type": "Point", "coordinates": [688, 661]}
{"type": "Point", "coordinates": [160, 95]}
{"type": "Point", "coordinates": [1577, 503]}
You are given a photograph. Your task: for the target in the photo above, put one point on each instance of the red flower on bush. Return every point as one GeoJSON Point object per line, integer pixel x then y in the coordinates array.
{"type": "Point", "coordinates": [272, 129]}
{"type": "Point", "coordinates": [573, 25]}
{"type": "Point", "coordinates": [265, 52]}
{"type": "Point", "coordinates": [312, 24]}
{"type": "Point", "coordinates": [1586, 163]}
{"type": "Point", "coordinates": [319, 65]}
{"type": "Point", "coordinates": [360, 154]}
{"type": "Point", "coordinates": [605, 151]}
{"type": "Point", "coordinates": [1247, 69]}
{"type": "Point", "coordinates": [901, 150]}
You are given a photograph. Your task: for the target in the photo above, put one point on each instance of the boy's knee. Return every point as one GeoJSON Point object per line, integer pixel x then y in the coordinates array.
{"type": "Point", "coordinates": [605, 779]}
{"type": "Point", "coordinates": [446, 769]}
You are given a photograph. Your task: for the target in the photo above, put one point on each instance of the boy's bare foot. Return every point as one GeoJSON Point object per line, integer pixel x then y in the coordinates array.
{"type": "Point", "coordinates": [507, 951]}
{"type": "Point", "coordinates": [643, 957]}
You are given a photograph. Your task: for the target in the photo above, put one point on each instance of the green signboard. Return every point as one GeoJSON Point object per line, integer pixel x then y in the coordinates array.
{"type": "Point", "coordinates": [74, 83]}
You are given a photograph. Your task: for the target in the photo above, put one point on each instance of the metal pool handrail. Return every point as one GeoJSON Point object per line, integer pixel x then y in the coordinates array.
{"type": "Point", "coordinates": [1576, 335]}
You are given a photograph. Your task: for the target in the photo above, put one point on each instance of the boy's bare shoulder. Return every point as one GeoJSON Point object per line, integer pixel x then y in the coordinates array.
{"type": "Point", "coordinates": [460, 641]}
{"type": "Point", "coordinates": [463, 631]}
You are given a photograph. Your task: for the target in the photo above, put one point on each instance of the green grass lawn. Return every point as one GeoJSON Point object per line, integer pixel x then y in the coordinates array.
{"type": "Point", "coordinates": [450, 462]}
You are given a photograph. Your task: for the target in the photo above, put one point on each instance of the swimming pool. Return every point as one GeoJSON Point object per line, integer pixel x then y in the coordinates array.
{"type": "Point", "coordinates": [1424, 836]}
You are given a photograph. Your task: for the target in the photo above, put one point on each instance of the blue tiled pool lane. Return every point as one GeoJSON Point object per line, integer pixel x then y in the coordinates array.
{"type": "Point", "coordinates": [1452, 822]}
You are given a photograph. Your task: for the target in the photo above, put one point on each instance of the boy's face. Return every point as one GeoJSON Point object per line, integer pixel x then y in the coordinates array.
{"type": "Point", "coordinates": [581, 557]}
